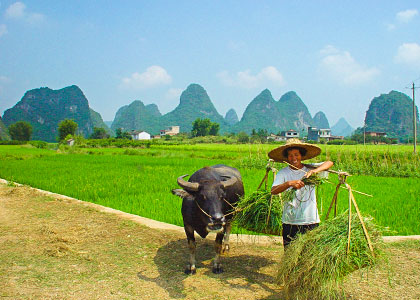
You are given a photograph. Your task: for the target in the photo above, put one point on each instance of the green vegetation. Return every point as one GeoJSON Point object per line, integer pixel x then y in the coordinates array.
{"type": "Point", "coordinates": [260, 212]}
{"type": "Point", "coordinates": [3, 131]}
{"type": "Point", "coordinates": [139, 180]}
{"type": "Point", "coordinates": [204, 127]}
{"type": "Point", "coordinates": [20, 131]}
{"type": "Point", "coordinates": [99, 133]}
{"type": "Point", "coordinates": [65, 128]}
{"type": "Point", "coordinates": [316, 262]}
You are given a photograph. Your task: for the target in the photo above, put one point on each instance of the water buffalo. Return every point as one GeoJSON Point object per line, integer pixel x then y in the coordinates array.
{"type": "Point", "coordinates": [208, 198]}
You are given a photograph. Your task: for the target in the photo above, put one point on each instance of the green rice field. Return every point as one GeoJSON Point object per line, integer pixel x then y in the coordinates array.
{"type": "Point", "coordinates": [140, 180]}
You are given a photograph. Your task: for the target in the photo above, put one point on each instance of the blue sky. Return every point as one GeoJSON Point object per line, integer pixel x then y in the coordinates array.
{"type": "Point", "coordinates": [336, 55]}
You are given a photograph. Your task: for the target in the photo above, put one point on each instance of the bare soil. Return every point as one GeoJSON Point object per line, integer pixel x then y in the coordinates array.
{"type": "Point", "coordinates": [55, 248]}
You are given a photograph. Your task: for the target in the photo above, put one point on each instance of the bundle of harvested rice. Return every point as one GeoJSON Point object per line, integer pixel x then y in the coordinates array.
{"type": "Point", "coordinates": [259, 212]}
{"type": "Point", "coordinates": [314, 180]}
{"type": "Point", "coordinates": [316, 262]}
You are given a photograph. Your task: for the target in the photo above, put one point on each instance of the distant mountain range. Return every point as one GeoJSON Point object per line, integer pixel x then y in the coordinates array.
{"type": "Point", "coordinates": [44, 108]}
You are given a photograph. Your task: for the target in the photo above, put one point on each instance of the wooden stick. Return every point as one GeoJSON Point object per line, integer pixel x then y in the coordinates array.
{"type": "Point", "coordinates": [334, 200]}
{"type": "Point", "coordinates": [264, 179]}
{"type": "Point", "coordinates": [349, 233]}
{"type": "Point", "coordinates": [361, 221]}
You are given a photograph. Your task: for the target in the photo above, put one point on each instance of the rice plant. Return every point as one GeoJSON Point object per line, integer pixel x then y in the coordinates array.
{"type": "Point", "coordinates": [315, 263]}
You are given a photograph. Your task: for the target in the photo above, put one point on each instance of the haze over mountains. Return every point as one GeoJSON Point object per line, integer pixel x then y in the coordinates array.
{"type": "Point", "coordinates": [44, 108]}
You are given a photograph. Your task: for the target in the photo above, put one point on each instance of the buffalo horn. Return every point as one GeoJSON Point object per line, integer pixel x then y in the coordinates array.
{"type": "Point", "coordinates": [190, 186]}
{"type": "Point", "coordinates": [231, 181]}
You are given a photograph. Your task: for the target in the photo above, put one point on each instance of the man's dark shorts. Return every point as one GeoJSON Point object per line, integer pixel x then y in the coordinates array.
{"type": "Point", "coordinates": [290, 231]}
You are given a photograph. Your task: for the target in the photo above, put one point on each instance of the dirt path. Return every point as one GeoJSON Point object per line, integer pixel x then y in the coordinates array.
{"type": "Point", "coordinates": [59, 249]}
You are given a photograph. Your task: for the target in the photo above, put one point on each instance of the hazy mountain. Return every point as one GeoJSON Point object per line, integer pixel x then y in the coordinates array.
{"type": "Point", "coordinates": [261, 113]}
{"type": "Point", "coordinates": [391, 113]}
{"type": "Point", "coordinates": [98, 122]}
{"type": "Point", "coordinates": [45, 108]}
{"type": "Point", "coordinates": [294, 112]}
{"type": "Point", "coordinates": [137, 116]}
{"type": "Point", "coordinates": [4, 134]}
{"type": "Point", "coordinates": [108, 123]}
{"type": "Point", "coordinates": [265, 113]}
{"type": "Point", "coordinates": [320, 121]}
{"type": "Point", "coordinates": [231, 117]}
{"type": "Point", "coordinates": [342, 128]}
{"type": "Point", "coordinates": [194, 103]}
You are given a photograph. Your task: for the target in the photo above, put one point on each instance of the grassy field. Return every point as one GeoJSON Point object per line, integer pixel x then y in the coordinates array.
{"type": "Point", "coordinates": [139, 180]}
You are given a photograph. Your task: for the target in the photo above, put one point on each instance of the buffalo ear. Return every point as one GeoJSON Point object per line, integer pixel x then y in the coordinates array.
{"type": "Point", "coordinates": [182, 193]}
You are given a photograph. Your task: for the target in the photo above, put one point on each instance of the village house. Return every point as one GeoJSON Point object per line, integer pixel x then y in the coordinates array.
{"type": "Point", "coordinates": [315, 134]}
{"type": "Point", "coordinates": [140, 135]}
{"type": "Point", "coordinates": [284, 135]}
{"type": "Point", "coordinates": [375, 133]}
{"type": "Point", "coordinates": [171, 130]}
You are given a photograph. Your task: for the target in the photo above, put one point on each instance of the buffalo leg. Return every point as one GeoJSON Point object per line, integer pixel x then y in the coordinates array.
{"type": "Point", "coordinates": [217, 265]}
{"type": "Point", "coordinates": [189, 231]}
{"type": "Point", "coordinates": [226, 247]}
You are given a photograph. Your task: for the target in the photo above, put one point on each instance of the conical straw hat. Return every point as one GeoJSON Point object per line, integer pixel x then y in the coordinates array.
{"type": "Point", "coordinates": [279, 154]}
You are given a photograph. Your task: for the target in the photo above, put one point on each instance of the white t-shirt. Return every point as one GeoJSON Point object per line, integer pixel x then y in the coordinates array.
{"type": "Point", "coordinates": [302, 210]}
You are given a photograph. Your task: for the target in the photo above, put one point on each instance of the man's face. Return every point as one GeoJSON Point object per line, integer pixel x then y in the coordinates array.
{"type": "Point", "coordinates": [294, 158]}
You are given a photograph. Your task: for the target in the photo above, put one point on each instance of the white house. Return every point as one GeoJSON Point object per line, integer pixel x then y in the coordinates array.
{"type": "Point", "coordinates": [140, 135]}
{"type": "Point", "coordinates": [284, 135]}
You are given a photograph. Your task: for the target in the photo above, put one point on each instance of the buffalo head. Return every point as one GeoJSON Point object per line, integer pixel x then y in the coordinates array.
{"type": "Point", "coordinates": [209, 196]}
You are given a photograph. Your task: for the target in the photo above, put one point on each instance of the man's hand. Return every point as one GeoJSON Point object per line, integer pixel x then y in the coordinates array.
{"type": "Point", "coordinates": [297, 184]}
{"type": "Point", "coordinates": [309, 173]}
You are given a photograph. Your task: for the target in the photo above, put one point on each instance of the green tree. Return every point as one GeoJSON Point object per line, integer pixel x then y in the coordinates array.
{"type": "Point", "coordinates": [203, 127]}
{"type": "Point", "coordinates": [99, 133]}
{"type": "Point", "coordinates": [65, 128]}
{"type": "Point", "coordinates": [243, 137]}
{"type": "Point", "coordinates": [120, 134]}
{"type": "Point", "coordinates": [214, 129]}
{"type": "Point", "coordinates": [20, 131]}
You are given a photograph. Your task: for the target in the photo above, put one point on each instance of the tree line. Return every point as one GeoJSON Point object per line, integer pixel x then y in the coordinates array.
{"type": "Point", "coordinates": [22, 131]}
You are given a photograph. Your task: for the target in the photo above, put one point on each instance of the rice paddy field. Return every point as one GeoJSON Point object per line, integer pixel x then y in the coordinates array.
{"type": "Point", "coordinates": [139, 180]}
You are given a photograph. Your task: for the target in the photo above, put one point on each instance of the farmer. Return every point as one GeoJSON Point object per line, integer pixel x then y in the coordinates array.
{"type": "Point", "coordinates": [301, 213]}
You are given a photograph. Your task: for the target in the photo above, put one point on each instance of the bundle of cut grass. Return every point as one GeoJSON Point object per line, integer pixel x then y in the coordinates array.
{"type": "Point", "coordinates": [316, 262]}
{"type": "Point", "coordinates": [260, 212]}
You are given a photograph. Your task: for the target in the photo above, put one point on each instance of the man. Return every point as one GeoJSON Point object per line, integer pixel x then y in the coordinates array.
{"type": "Point", "coordinates": [301, 213]}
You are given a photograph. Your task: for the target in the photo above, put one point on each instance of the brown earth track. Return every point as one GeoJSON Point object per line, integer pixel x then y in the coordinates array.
{"type": "Point", "coordinates": [54, 247]}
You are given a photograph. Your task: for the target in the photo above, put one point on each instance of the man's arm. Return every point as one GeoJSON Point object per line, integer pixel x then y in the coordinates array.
{"type": "Point", "coordinates": [323, 167]}
{"type": "Point", "coordinates": [277, 189]}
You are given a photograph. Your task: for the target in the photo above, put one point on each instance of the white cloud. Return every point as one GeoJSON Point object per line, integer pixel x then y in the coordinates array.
{"type": "Point", "coordinates": [18, 10]}
{"type": "Point", "coordinates": [3, 29]}
{"type": "Point", "coordinates": [4, 79]}
{"type": "Point", "coordinates": [173, 94]}
{"type": "Point", "coordinates": [153, 76]}
{"type": "Point", "coordinates": [408, 53]}
{"type": "Point", "coordinates": [342, 67]}
{"type": "Point", "coordinates": [407, 15]}
{"type": "Point", "coordinates": [244, 79]}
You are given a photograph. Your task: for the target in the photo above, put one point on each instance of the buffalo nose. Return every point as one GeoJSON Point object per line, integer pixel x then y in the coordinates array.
{"type": "Point", "coordinates": [218, 218]}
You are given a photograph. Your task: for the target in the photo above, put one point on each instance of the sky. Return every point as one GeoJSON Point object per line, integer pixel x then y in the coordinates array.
{"type": "Point", "coordinates": [336, 55]}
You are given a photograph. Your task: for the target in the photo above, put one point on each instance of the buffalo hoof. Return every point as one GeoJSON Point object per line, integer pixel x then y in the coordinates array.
{"type": "Point", "coordinates": [225, 248]}
{"type": "Point", "coordinates": [190, 270]}
{"type": "Point", "coordinates": [217, 270]}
